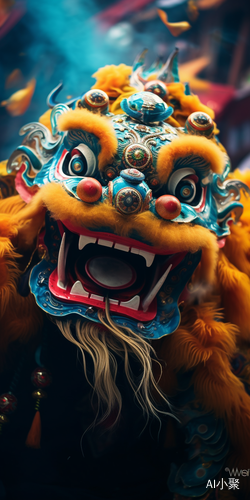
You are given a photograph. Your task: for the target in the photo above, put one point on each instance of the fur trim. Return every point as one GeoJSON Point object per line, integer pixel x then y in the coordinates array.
{"type": "Point", "coordinates": [205, 343]}
{"type": "Point", "coordinates": [3, 167]}
{"type": "Point", "coordinates": [200, 333]}
{"type": "Point", "coordinates": [235, 293]}
{"type": "Point", "coordinates": [189, 146]}
{"type": "Point", "coordinates": [187, 103]}
{"type": "Point", "coordinates": [114, 80]}
{"type": "Point", "coordinates": [237, 248]}
{"type": "Point", "coordinates": [8, 268]}
{"type": "Point", "coordinates": [158, 233]}
{"type": "Point", "coordinates": [94, 124]}
{"type": "Point", "coordinates": [11, 205]}
{"type": "Point", "coordinates": [19, 316]}
{"type": "Point", "coordinates": [242, 176]}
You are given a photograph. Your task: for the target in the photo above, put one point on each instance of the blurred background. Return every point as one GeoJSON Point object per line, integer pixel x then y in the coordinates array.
{"type": "Point", "coordinates": [44, 43]}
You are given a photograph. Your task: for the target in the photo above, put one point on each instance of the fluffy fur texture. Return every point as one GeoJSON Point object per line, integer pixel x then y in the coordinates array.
{"type": "Point", "coordinates": [20, 318]}
{"type": "Point", "coordinates": [114, 80]}
{"type": "Point", "coordinates": [187, 104]}
{"type": "Point", "coordinates": [234, 287]}
{"type": "Point", "coordinates": [204, 344]}
{"type": "Point", "coordinates": [105, 345]}
{"type": "Point", "coordinates": [82, 119]}
{"type": "Point", "coordinates": [185, 146]}
{"type": "Point", "coordinates": [11, 205]}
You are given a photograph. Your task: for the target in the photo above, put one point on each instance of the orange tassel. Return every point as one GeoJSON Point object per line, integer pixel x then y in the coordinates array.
{"type": "Point", "coordinates": [34, 436]}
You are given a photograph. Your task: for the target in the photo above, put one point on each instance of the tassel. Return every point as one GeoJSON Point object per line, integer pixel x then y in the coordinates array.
{"type": "Point", "coordinates": [34, 436]}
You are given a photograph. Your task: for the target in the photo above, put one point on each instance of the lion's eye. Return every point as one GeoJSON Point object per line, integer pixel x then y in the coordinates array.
{"type": "Point", "coordinates": [188, 190]}
{"type": "Point", "coordinates": [184, 184]}
{"type": "Point", "coordinates": [78, 165]}
{"type": "Point", "coordinates": [185, 191]}
{"type": "Point", "coordinates": [80, 162]}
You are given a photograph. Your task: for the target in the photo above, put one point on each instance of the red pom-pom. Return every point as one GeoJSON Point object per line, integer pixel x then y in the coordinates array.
{"type": "Point", "coordinates": [168, 207]}
{"type": "Point", "coordinates": [89, 190]}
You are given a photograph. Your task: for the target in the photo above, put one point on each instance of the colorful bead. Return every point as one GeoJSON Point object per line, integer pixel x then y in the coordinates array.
{"type": "Point", "coordinates": [199, 123]}
{"type": "Point", "coordinates": [96, 101]}
{"type": "Point", "coordinates": [156, 87]}
{"type": "Point", "coordinates": [41, 377]}
{"type": "Point", "coordinates": [8, 403]}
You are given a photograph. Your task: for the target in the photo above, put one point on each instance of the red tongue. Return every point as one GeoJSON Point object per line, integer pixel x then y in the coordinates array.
{"type": "Point", "coordinates": [110, 273]}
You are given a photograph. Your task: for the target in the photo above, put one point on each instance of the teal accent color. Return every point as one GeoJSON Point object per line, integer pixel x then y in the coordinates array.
{"type": "Point", "coordinates": [170, 71]}
{"type": "Point", "coordinates": [140, 60]}
{"type": "Point", "coordinates": [175, 66]}
{"type": "Point", "coordinates": [139, 107]}
{"type": "Point", "coordinates": [207, 444]}
{"type": "Point", "coordinates": [55, 113]}
{"type": "Point", "coordinates": [187, 89]}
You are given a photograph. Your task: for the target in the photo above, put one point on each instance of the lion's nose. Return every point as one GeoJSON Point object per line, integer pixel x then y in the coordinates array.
{"type": "Point", "coordinates": [168, 207]}
{"type": "Point", "coordinates": [89, 190]}
{"type": "Point", "coordinates": [129, 193]}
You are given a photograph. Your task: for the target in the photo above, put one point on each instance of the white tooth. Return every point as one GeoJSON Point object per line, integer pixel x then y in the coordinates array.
{"type": "Point", "coordinates": [113, 301]}
{"type": "Point", "coordinates": [61, 264]}
{"type": "Point", "coordinates": [132, 303]}
{"type": "Point", "coordinates": [135, 250]}
{"type": "Point", "coordinates": [124, 248]}
{"type": "Point", "coordinates": [96, 297]}
{"type": "Point", "coordinates": [149, 257]}
{"type": "Point", "coordinates": [152, 293]}
{"type": "Point", "coordinates": [77, 289]}
{"type": "Point", "coordinates": [84, 240]}
{"type": "Point", "coordinates": [105, 243]}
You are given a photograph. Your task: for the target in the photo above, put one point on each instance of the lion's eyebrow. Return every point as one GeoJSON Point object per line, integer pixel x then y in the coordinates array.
{"type": "Point", "coordinates": [189, 146]}
{"type": "Point", "coordinates": [100, 126]}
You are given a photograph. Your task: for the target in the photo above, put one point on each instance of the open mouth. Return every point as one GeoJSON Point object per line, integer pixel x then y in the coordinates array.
{"type": "Point", "coordinates": [92, 266]}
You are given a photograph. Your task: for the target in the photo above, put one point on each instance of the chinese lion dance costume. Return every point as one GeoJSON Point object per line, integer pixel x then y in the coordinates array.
{"type": "Point", "coordinates": [124, 283]}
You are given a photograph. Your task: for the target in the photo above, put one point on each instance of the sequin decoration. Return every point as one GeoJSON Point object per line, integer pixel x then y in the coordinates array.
{"type": "Point", "coordinates": [199, 124]}
{"type": "Point", "coordinates": [137, 156]}
{"type": "Point", "coordinates": [128, 201]}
